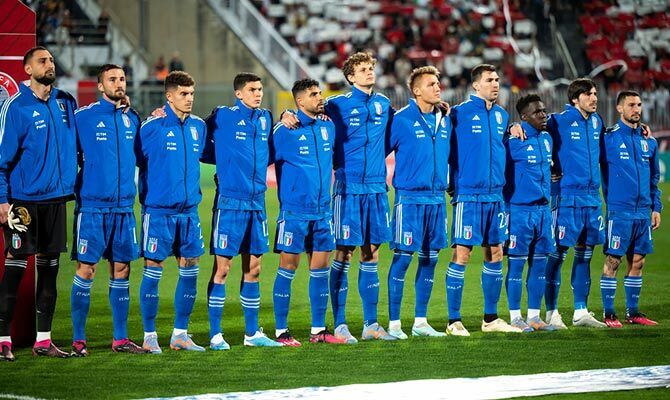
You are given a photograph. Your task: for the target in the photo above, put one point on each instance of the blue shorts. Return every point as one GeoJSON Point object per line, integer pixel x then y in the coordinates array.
{"type": "Point", "coordinates": [578, 225]}
{"type": "Point", "coordinates": [297, 235]}
{"type": "Point", "coordinates": [628, 236]}
{"type": "Point", "coordinates": [419, 227]}
{"type": "Point", "coordinates": [479, 224]}
{"type": "Point", "coordinates": [109, 235]}
{"type": "Point", "coordinates": [166, 234]}
{"type": "Point", "coordinates": [530, 231]}
{"type": "Point", "coordinates": [361, 219]}
{"type": "Point", "coordinates": [239, 231]}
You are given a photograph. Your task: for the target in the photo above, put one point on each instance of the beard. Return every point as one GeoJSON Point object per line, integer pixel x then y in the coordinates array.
{"type": "Point", "coordinates": [116, 96]}
{"type": "Point", "coordinates": [635, 119]}
{"type": "Point", "coordinates": [46, 80]}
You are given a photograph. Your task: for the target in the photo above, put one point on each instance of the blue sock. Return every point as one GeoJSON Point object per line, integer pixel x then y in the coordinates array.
{"type": "Point", "coordinates": [250, 298]}
{"type": "Point", "coordinates": [581, 276]}
{"type": "Point", "coordinates": [119, 300]}
{"type": "Point", "coordinates": [423, 282]}
{"type": "Point", "coordinates": [454, 282]}
{"type": "Point", "coordinates": [514, 281]}
{"type": "Point", "coordinates": [184, 295]}
{"type": "Point", "coordinates": [339, 287]}
{"type": "Point", "coordinates": [368, 287]}
{"type": "Point", "coordinates": [216, 298]}
{"type": "Point", "coordinates": [607, 291]}
{"type": "Point", "coordinates": [535, 282]}
{"type": "Point", "coordinates": [80, 300]}
{"type": "Point", "coordinates": [282, 296]}
{"type": "Point", "coordinates": [632, 286]}
{"type": "Point", "coordinates": [553, 277]}
{"type": "Point", "coordinates": [396, 282]}
{"type": "Point", "coordinates": [149, 297]}
{"type": "Point", "coordinates": [318, 295]}
{"type": "Point", "coordinates": [492, 278]}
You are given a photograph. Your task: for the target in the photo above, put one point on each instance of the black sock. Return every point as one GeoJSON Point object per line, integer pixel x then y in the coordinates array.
{"type": "Point", "coordinates": [14, 270]}
{"type": "Point", "coordinates": [451, 321]}
{"type": "Point", "coordinates": [47, 274]}
{"type": "Point", "coordinates": [490, 317]}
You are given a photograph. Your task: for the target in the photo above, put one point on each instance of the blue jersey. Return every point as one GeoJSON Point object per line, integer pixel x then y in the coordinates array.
{"type": "Point", "coordinates": [303, 160]}
{"type": "Point", "coordinates": [38, 159]}
{"type": "Point", "coordinates": [421, 144]}
{"type": "Point", "coordinates": [361, 125]}
{"type": "Point", "coordinates": [576, 155]}
{"type": "Point", "coordinates": [168, 152]}
{"type": "Point", "coordinates": [477, 158]}
{"type": "Point", "coordinates": [237, 141]}
{"type": "Point", "coordinates": [528, 171]}
{"type": "Point", "coordinates": [105, 142]}
{"type": "Point", "coordinates": [630, 171]}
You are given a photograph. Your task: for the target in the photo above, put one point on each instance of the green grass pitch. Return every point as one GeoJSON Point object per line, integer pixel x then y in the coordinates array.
{"type": "Point", "coordinates": [107, 375]}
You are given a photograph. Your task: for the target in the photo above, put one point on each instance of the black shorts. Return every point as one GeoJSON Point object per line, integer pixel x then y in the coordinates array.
{"type": "Point", "coordinates": [47, 231]}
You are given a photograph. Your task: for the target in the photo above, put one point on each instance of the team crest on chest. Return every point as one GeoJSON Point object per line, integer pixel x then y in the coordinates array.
{"type": "Point", "coordinates": [499, 118]}
{"type": "Point", "coordinates": [378, 108]}
{"type": "Point", "coordinates": [194, 133]}
{"type": "Point", "coordinates": [324, 133]}
{"type": "Point", "coordinates": [645, 145]}
{"type": "Point", "coordinates": [126, 120]}
{"type": "Point", "coordinates": [61, 105]}
{"type": "Point", "coordinates": [443, 123]}
{"type": "Point", "coordinates": [594, 122]}
{"type": "Point", "coordinates": [263, 122]}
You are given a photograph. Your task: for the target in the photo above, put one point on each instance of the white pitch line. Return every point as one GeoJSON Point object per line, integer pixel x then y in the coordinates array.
{"type": "Point", "coordinates": [492, 387]}
{"type": "Point", "coordinates": [17, 397]}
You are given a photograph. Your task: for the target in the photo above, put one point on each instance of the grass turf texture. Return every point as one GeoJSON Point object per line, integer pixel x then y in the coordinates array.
{"type": "Point", "coordinates": [107, 375]}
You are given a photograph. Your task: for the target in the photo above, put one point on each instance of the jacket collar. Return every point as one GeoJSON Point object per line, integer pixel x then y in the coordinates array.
{"type": "Point", "coordinates": [574, 111]}
{"type": "Point", "coordinates": [246, 111]}
{"type": "Point", "coordinates": [25, 89]}
{"type": "Point", "coordinates": [628, 130]}
{"type": "Point", "coordinates": [418, 115]}
{"type": "Point", "coordinates": [305, 120]}
{"type": "Point", "coordinates": [107, 105]}
{"type": "Point", "coordinates": [171, 117]}
{"type": "Point", "coordinates": [530, 129]}
{"type": "Point", "coordinates": [358, 94]}
{"type": "Point", "coordinates": [479, 102]}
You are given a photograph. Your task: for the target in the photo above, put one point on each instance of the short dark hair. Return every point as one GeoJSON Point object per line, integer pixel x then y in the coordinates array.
{"type": "Point", "coordinates": [243, 78]}
{"type": "Point", "coordinates": [479, 69]}
{"type": "Point", "coordinates": [105, 68]}
{"type": "Point", "coordinates": [301, 85]}
{"type": "Point", "coordinates": [178, 78]}
{"type": "Point", "coordinates": [30, 53]}
{"type": "Point", "coordinates": [626, 93]}
{"type": "Point", "coordinates": [524, 101]}
{"type": "Point", "coordinates": [579, 86]}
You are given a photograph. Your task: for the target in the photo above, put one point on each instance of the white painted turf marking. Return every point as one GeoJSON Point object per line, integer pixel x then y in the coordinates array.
{"type": "Point", "coordinates": [492, 387]}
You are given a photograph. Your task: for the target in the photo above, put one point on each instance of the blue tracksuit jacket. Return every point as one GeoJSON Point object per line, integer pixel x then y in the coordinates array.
{"type": "Point", "coordinates": [168, 153]}
{"type": "Point", "coordinates": [303, 160]}
{"type": "Point", "coordinates": [630, 171]}
{"type": "Point", "coordinates": [477, 159]}
{"type": "Point", "coordinates": [421, 152]}
{"type": "Point", "coordinates": [38, 159]}
{"type": "Point", "coordinates": [528, 171]}
{"type": "Point", "coordinates": [105, 142]}
{"type": "Point", "coordinates": [237, 142]}
{"type": "Point", "coordinates": [362, 122]}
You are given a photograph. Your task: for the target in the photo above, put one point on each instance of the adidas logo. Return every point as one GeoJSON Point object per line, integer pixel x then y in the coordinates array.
{"type": "Point", "coordinates": [100, 125]}
{"type": "Point", "coordinates": [529, 148]}
{"type": "Point", "coordinates": [241, 123]}
{"type": "Point", "coordinates": [354, 111]}
{"type": "Point", "coordinates": [417, 123]}
{"type": "Point", "coordinates": [36, 114]}
{"type": "Point", "coordinates": [303, 137]}
{"type": "Point", "coordinates": [623, 146]}
{"type": "Point", "coordinates": [170, 134]}
{"type": "Point", "coordinates": [575, 124]}
{"type": "Point", "coordinates": [475, 118]}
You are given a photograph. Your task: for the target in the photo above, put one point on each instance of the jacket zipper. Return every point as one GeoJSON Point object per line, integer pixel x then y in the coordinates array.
{"type": "Point", "coordinates": [60, 174]}
{"type": "Point", "coordinates": [183, 137]}
{"type": "Point", "coordinates": [367, 139]}
{"type": "Point", "coordinates": [488, 123]}
{"type": "Point", "coordinates": [434, 136]}
{"type": "Point", "coordinates": [253, 175]}
{"type": "Point", "coordinates": [118, 162]}
{"type": "Point", "coordinates": [588, 146]}
{"type": "Point", "coordinates": [637, 171]}
{"type": "Point", "coordinates": [318, 163]}
{"type": "Point", "coordinates": [539, 148]}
